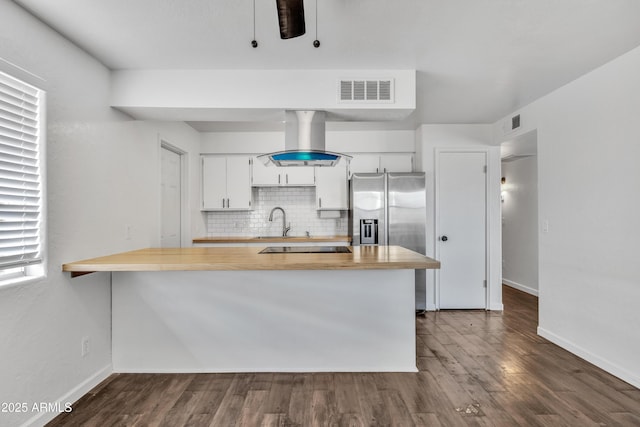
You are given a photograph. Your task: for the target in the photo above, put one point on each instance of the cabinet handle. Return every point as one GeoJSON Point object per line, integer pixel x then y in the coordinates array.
{"type": "Point", "coordinates": [320, 202]}
{"type": "Point", "coordinates": [385, 170]}
{"type": "Point", "coordinates": [287, 178]}
{"type": "Point", "coordinates": [279, 178]}
{"type": "Point", "coordinates": [228, 203]}
{"type": "Point", "coordinates": [377, 170]}
{"type": "Point", "coordinates": [223, 203]}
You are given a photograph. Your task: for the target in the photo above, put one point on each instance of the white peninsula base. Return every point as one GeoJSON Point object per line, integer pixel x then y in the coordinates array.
{"type": "Point", "coordinates": [264, 321]}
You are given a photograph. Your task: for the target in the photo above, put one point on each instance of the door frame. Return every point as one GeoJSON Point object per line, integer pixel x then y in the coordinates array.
{"type": "Point", "coordinates": [487, 205]}
{"type": "Point", "coordinates": [184, 211]}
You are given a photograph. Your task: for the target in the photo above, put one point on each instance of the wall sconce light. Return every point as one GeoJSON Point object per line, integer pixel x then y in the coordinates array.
{"type": "Point", "coordinates": [503, 181]}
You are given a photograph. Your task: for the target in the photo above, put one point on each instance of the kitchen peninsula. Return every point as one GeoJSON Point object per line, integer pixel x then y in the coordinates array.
{"type": "Point", "coordinates": [234, 309]}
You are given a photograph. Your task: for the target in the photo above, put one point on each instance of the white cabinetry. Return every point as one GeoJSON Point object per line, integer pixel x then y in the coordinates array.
{"type": "Point", "coordinates": [376, 163]}
{"type": "Point", "coordinates": [273, 176]}
{"type": "Point", "coordinates": [332, 187]}
{"type": "Point", "coordinates": [396, 163]}
{"type": "Point", "coordinates": [226, 183]}
{"type": "Point", "coordinates": [364, 163]}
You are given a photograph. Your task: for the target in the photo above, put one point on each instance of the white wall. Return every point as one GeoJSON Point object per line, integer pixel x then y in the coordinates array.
{"type": "Point", "coordinates": [102, 173]}
{"type": "Point", "coordinates": [589, 277]}
{"type": "Point", "coordinates": [520, 224]}
{"type": "Point", "coordinates": [428, 139]}
{"type": "Point", "coordinates": [205, 95]}
{"type": "Point", "coordinates": [356, 141]}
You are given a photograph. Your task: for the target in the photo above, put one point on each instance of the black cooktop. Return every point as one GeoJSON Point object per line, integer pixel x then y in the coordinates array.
{"type": "Point", "coordinates": [306, 250]}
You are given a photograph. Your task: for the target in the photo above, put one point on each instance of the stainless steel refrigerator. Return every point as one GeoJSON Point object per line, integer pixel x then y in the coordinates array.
{"type": "Point", "coordinates": [390, 209]}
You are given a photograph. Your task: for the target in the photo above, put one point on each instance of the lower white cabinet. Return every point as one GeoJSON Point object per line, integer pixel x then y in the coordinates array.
{"type": "Point", "coordinates": [226, 183]}
{"type": "Point", "coordinates": [332, 187]}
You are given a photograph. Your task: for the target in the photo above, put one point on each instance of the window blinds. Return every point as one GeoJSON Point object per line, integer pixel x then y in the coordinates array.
{"type": "Point", "coordinates": [20, 185]}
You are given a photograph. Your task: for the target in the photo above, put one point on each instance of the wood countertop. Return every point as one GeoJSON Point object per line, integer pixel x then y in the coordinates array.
{"type": "Point", "coordinates": [274, 239]}
{"type": "Point", "coordinates": [248, 258]}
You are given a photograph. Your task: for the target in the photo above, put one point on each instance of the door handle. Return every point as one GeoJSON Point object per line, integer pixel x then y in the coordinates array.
{"type": "Point", "coordinates": [444, 238]}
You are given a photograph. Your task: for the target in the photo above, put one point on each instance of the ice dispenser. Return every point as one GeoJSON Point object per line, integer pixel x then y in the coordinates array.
{"type": "Point", "coordinates": [368, 231]}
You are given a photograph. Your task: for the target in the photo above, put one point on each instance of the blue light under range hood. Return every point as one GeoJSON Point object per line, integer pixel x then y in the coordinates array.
{"type": "Point", "coordinates": [304, 158]}
{"type": "Point", "coordinates": [304, 142]}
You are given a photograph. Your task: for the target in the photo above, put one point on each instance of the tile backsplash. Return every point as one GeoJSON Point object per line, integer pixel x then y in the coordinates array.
{"type": "Point", "coordinates": [299, 203]}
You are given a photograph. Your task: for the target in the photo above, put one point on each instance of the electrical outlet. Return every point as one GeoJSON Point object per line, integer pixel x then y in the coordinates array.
{"type": "Point", "coordinates": [85, 346]}
{"type": "Point", "coordinates": [545, 226]}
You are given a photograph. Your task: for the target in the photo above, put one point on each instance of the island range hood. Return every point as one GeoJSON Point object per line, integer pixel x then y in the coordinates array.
{"type": "Point", "coordinates": [304, 142]}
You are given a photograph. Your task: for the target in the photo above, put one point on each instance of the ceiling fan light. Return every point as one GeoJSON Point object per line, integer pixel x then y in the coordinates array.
{"type": "Point", "coordinates": [291, 18]}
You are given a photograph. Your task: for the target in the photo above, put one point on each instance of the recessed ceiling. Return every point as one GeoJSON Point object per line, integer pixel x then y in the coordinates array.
{"type": "Point", "coordinates": [476, 60]}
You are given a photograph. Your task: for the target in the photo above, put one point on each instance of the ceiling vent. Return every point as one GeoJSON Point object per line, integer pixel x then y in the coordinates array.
{"type": "Point", "coordinates": [515, 122]}
{"type": "Point", "coordinates": [366, 90]}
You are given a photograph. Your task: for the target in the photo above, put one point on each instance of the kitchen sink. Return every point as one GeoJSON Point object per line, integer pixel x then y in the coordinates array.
{"type": "Point", "coordinates": [306, 250]}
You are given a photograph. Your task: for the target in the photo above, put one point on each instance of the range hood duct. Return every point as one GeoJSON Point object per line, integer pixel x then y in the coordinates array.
{"type": "Point", "coordinates": [304, 142]}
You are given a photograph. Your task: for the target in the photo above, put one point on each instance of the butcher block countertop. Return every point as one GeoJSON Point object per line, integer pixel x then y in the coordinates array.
{"type": "Point", "coordinates": [248, 258]}
{"type": "Point", "coordinates": [274, 239]}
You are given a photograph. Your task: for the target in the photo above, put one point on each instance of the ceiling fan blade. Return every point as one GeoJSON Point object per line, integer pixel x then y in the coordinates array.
{"type": "Point", "coordinates": [291, 18]}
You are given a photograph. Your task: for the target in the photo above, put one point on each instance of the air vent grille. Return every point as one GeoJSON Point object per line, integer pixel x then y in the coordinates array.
{"type": "Point", "coordinates": [515, 122]}
{"type": "Point", "coordinates": [366, 90]}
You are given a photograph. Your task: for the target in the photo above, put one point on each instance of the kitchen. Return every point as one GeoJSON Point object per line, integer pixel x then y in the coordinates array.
{"type": "Point", "coordinates": [101, 163]}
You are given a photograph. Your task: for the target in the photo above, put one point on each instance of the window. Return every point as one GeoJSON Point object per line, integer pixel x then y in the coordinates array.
{"type": "Point", "coordinates": [21, 186]}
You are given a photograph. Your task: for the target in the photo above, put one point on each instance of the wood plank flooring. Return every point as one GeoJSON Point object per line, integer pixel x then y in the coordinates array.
{"type": "Point", "coordinates": [477, 368]}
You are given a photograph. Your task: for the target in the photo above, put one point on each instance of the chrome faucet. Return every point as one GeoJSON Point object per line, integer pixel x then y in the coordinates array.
{"type": "Point", "coordinates": [285, 229]}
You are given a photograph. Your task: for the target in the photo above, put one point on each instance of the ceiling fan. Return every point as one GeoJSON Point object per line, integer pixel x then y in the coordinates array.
{"type": "Point", "coordinates": [291, 20]}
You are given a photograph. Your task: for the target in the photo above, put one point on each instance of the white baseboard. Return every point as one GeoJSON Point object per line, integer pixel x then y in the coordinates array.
{"type": "Point", "coordinates": [520, 287]}
{"type": "Point", "coordinates": [496, 307]}
{"type": "Point", "coordinates": [612, 368]}
{"type": "Point", "coordinates": [72, 396]}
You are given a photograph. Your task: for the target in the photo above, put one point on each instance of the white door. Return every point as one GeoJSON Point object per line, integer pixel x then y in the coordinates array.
{"type": "Point", "coordinates": [171, 199]}
{"type": "Point", "coordinates": [461, 227]}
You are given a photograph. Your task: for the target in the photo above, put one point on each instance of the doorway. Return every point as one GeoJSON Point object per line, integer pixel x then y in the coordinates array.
{"type": "Point", "coordinates": [461, 229]}
{"type": "Point", "coordinates": [519, 213]}
{"type": "Point", "coordinates": [171, 196]}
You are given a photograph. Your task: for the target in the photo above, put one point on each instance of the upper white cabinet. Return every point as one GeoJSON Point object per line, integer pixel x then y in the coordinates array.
{"type": "Point", "coordinates": [364, 163]}
{"type": "Point", "coordinates": [271, 176]}
{"type": "Point", "coordinates": [378, 163]}
{"type": "Point", "coordinates": [299, 175]}
{"type": "Point", "coordinates": [396, 162]}
{"type": "Point", "coordinates": [332, 187]}
{"type": "Point", "coordinates": [226, 183]}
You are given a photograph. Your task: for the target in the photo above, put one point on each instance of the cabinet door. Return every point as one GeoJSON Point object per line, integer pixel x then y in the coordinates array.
{"type": "Point", "coordinates": [214, 183]}
{"type": "Point", "coordinates": [332, 187]}
{"type": "Point", "coordinates": [265, 175]}
{"type": "Point", "coordinates": [239, 182]}
{"type": "Point", "coordinates": [364, 163]}
{"type": "Point", "coordinates": [396, 163]}
{"type": "Point", "coordinates": [298, 175]}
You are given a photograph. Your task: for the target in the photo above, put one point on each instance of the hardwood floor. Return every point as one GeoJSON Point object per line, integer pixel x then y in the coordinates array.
{"type": "Point", "coordinates": [477, 368]}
